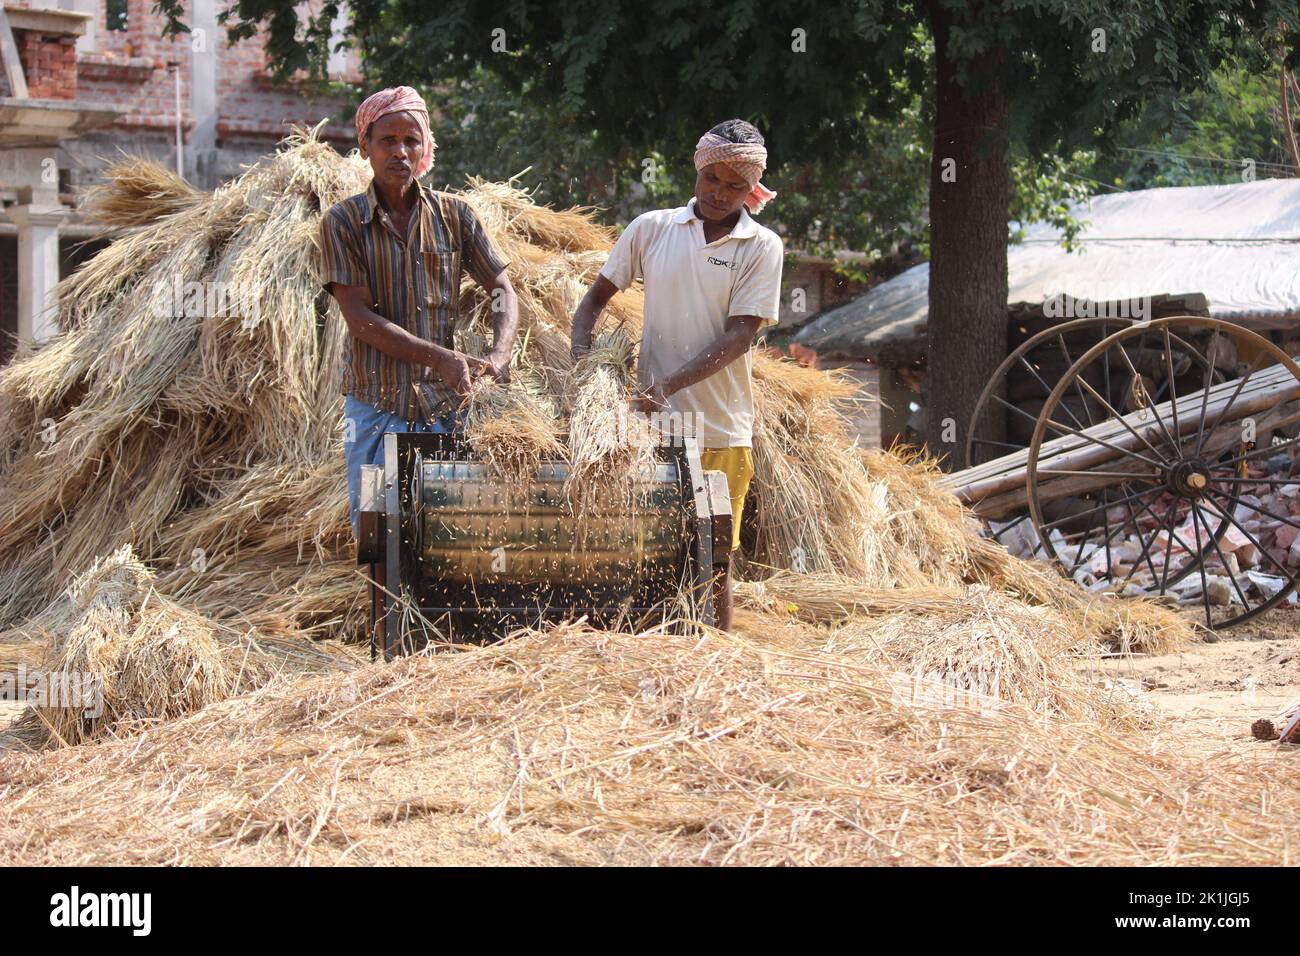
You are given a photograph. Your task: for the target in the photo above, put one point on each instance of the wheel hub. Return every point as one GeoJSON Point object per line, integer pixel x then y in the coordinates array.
{"type": "Point", "coordinates": [1188, 478]}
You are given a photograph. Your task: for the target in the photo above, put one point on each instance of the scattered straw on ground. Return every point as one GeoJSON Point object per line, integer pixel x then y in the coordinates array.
{"type": "Point", "coordinates": [592, 747]}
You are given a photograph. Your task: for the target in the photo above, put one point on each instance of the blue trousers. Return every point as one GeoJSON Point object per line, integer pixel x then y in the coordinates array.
{"type": "Point", "coordinates": [364, 427]}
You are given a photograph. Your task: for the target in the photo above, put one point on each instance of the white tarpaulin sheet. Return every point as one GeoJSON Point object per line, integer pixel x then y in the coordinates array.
{"type": "Point", "coordinates": [1239, 245]}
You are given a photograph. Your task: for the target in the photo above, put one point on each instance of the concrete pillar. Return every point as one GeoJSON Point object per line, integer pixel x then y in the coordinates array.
{"type": "Point", "coordinates": [205, 47]}
{"type": "Point", "coordinates": [38, 268]}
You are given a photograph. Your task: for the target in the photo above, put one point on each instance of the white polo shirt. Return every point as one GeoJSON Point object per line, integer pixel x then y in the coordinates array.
{"type": "Point", "coordinates": [691, 288]}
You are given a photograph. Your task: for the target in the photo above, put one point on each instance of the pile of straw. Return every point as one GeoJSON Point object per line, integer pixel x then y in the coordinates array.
{"type": "Point", "coordinates": [126, 655]}
{"type": "Point", "coordinates": [973, 643]}
{"type": "Point", "coordinates": [1084, 620]}
{"type": "Point", "coordinates": [581, 746]}
{"type": "Point", "coordinates": [191, 409]}
{"type": "Point", "coordinates": [827, 506]}
{"type": "Point", "coordinates": [1125, 626]}
{"type": "Point", "coordinates": [983, 649]}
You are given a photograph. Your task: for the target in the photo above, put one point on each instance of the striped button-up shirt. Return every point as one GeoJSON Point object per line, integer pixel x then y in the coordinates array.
{"type": "Point", "coordinates": [414, 282]}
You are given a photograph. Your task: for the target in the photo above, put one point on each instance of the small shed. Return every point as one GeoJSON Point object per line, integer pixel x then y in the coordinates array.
{"type": "Point", "coordinates": [1232, 252]}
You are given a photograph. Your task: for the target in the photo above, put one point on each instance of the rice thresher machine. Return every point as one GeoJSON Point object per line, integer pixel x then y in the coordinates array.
{"type": "Point", "coordinates": [463, 556]}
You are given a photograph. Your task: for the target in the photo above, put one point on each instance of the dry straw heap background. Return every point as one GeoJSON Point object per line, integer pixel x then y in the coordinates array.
{"type": "Point", "coordinates": [175, 520]}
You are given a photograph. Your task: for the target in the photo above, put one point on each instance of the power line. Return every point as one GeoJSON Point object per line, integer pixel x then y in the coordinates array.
{"type": "Point", "coordinates": [1214, 160]}
{"type": "Point", "coordinates": [1176, 239]}
{"type": "Point", "coordinates": [1086, 179]}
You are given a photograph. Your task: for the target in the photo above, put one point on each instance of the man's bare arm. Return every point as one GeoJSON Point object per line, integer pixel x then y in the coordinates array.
{"type": "Point", "coordinates": [588, 314]}
{"type": "Point", "coordinates": [721, 352]}
{"type": "Point", "coordinates": [505, 322]}
{"type": "Point", "coordinates": [372, 328]}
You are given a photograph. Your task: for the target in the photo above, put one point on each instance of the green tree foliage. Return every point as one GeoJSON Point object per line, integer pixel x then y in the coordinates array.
{"type": "Point", "coordinates": [584, 94]}
{"type": "Point", "coordinates": [586, 91]}
{"type": "Point", "coordinates": [1203, 140]}
{"type": "Point", "coordinates": [486, 129]}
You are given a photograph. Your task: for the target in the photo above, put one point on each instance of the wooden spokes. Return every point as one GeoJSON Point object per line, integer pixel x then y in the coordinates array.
{"type": "Point", "coordinates": [1157, 492]}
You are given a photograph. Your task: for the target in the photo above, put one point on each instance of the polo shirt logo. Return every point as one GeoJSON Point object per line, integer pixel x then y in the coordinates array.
{"type": "Point", "coordinates": [721, 262]}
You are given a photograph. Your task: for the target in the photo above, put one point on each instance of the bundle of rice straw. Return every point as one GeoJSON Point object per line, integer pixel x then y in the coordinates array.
{"type": "Point", "coordinates": [118, 654]}
{"type": "Point", "coordinates": [611, 448]}
{"type": "Point", "coordinates": [1126, 626]}
{"type": "Point", "coordinates": [983, 649]}
{"type": "Point", "coordinates": [512, 428]}
{"type": "Point", "coordinates": [1084, 621]}
{"type": "Point", "coordinates": [138, 194]}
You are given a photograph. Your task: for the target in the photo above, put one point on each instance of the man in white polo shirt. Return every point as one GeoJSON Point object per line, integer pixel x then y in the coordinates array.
{"type": "Point", "coordinates": [712, 279]}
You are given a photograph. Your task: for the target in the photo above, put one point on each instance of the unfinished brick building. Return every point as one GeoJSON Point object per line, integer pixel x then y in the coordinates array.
{"type": "Point", "coordinates": [85, 81]}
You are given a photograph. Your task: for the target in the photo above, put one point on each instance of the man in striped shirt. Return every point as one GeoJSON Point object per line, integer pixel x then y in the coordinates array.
{"type": "Point", "coordinates": [393, 257]}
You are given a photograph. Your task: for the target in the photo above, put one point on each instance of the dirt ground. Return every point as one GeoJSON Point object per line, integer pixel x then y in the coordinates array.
{"type": "Point", "coordinates": [1217, 688]}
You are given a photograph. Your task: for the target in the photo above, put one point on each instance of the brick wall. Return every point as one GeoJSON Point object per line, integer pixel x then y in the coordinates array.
{"type": "Point", "coordinates": [250, 105]}
{"type": "Point", "coordinates": [130, 69]}
{"type": "Point", "coordinates": [49, 64]}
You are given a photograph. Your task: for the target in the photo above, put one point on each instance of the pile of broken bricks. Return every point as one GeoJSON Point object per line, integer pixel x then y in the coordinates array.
{"type": "Point", "coordinates": [1258, 551]}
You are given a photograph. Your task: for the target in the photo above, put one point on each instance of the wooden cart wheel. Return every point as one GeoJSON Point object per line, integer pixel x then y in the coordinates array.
{"type": "Point", "coordinates": [1011, 403]}
{"type": "Point", "coordinates": [1179, 466]}
{"type": "Point", "coordinates": [1003, 413]}
{"type": "Point", "coordinates": [1034, 366]}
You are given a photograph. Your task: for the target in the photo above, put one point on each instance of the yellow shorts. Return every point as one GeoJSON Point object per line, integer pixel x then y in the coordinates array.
{"type": "Point", "coordinates": [738, 465]}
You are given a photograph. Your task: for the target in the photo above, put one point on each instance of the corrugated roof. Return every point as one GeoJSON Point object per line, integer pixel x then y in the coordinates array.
{"type": "Point", "coordinates": [1238, 244]}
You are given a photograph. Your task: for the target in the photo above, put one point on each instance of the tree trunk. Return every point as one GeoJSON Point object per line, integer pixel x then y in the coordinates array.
{"type": "Point", "coordinates": [969, 205]}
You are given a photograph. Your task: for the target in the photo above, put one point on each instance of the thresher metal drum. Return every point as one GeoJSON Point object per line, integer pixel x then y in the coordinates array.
{"type": "Point", "coordinates": [473, 530]}
{"type": "Point", "coordinates": [468, 557]}
{"type": "Point", "coordinates": [1150, 472]}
